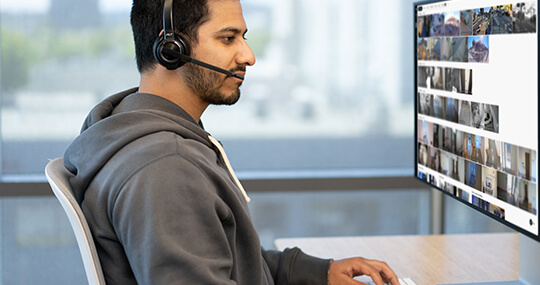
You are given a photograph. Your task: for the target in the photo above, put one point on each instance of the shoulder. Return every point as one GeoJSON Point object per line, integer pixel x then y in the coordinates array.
{"type": "Point", "coordinates": [157, 166]}
{"type": "Point", "coordinates": [161, 151]}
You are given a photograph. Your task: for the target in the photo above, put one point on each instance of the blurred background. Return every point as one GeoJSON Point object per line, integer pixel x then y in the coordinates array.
{"type": "Point", "coordinates": [323, 133]}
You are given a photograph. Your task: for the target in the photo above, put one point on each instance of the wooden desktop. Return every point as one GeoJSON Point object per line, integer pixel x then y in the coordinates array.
{"type": "Point", "coordinates": [431, 259]}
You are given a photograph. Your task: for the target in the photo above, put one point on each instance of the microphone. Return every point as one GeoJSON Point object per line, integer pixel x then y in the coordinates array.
{"type": "Point", "coordinates": [186, 58]}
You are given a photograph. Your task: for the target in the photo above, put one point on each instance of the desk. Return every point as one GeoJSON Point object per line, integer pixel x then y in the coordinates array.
{"type": "Point", "coordinates": [434, 259]}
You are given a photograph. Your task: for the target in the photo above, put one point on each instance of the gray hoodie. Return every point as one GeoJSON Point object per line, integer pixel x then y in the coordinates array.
{"type": "Point", "coordinates": [162, 205]}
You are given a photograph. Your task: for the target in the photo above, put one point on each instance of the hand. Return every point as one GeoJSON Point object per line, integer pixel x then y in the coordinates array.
{"type": "Point", "coordinates": [343, 271]}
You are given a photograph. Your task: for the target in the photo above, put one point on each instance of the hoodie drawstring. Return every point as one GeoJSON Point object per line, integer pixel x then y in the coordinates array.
{"type": "Point", "coordinates": [228, 164]}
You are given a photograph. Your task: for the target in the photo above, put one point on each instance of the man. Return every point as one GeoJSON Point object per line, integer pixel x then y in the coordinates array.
{"type": "Point", "coordinates": [160, 197]}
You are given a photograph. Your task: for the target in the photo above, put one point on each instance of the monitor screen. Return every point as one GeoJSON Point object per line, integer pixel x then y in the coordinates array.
{"type": "Point", "coordinates": [476, 111]}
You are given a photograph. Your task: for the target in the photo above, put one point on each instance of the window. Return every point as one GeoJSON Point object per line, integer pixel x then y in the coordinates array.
{"type": "Point", "coordinates": [328, 90]}
{"type": "Point", "coordinates": [58, 58]}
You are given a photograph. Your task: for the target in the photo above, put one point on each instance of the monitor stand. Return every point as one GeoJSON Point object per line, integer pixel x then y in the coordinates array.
{"type": "Point", "coordinates": [529, 256]}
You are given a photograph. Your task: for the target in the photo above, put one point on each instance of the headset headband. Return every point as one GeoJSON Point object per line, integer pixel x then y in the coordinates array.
{"type": "Point", "coordinates": [168, 26]}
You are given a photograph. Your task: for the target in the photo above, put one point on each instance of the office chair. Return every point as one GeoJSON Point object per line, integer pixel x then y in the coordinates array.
{"type": "Point", "coordinates": [58, 177]}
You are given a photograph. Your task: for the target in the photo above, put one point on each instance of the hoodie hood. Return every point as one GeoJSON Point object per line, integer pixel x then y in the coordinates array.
{"type": "Point", "coordinates": [119, 120]}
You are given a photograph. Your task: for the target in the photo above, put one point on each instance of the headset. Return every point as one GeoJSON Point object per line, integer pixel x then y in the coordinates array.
{"type": "Point", "coordinates": [170, 41]}
{"type": "Point", "coordinates": [172, 50]}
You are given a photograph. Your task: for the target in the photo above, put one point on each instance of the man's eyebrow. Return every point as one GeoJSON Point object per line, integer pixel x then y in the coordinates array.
{"type": "Point", "coordinates": [231, 29]}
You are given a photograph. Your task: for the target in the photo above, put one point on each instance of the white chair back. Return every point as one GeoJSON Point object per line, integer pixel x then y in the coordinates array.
{"type": "Point", "coordinates": [58, 177]}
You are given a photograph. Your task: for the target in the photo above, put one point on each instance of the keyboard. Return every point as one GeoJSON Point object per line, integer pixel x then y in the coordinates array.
{"type": "Point", "coordinates": [402, 281]}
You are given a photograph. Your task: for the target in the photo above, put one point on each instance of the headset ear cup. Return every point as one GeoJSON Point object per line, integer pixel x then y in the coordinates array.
{"type": "Point", "coordinates": [179, 44]}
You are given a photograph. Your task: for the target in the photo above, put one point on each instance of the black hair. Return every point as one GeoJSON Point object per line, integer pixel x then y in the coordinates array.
{"type": "Point", "coordinates": [147, 23]}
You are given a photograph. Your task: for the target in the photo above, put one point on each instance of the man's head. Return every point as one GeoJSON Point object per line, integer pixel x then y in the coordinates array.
{"type": "Point", "coordinates": [214, 29]}
{"type": "Point", "coordinates": [147, 24]}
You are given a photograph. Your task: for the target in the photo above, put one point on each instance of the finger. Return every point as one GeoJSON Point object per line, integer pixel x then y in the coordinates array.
{"type": "Point", "coordinates": [373, 272]}
{"type": "Point", "coordinates": [389, 276]}
{"type": "Point", "coordinates": [391, 279]}
{"type": "Point", "coordinates": [342, 272]}
{"type": "Point", "coordinates": [376, 278]}
{"type": "Point", "coordinates": [385, 271]}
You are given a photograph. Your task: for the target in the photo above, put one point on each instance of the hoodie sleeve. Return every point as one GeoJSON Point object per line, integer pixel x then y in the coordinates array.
{"type": "Point", "coordinates": [294, 267]}
{"type": "Point", "coordinates": [171, 225]}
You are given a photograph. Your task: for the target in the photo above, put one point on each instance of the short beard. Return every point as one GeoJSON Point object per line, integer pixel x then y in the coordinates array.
{"type": "Point", "coordinates": [205, 84]}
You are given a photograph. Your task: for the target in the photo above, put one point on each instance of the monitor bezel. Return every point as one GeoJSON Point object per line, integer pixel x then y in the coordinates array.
{"type": "Point", "coordinates": [416, 170]}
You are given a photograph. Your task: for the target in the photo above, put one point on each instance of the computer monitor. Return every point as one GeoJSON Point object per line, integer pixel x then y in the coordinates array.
{"type": "Point", "coordinates": [476, 111]}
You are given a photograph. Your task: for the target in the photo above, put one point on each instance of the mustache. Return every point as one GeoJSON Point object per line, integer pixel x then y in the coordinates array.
{"type": "Point", "coordinates": [239, 68]}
